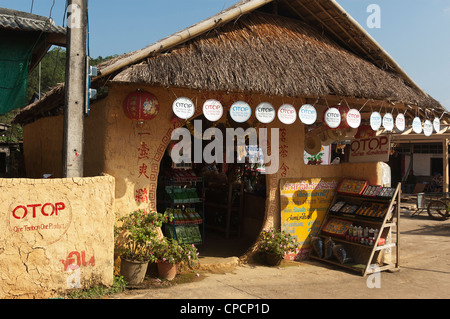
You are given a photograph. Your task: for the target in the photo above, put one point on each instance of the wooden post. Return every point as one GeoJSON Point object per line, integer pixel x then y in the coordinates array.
{"type": "Point", "coordinates": [75, 98]}
{"type": "Point", "coordinates": [445, 177]}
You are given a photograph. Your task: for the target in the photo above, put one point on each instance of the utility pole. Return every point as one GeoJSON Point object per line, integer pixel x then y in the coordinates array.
{"type": "Point", "coordinates": [75, 86]}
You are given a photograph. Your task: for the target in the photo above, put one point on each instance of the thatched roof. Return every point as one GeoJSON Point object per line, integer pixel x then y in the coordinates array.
{"type": "Point", "coordinates": [271, 55]}
{"type": "Point", "coordinates": [283, 47]}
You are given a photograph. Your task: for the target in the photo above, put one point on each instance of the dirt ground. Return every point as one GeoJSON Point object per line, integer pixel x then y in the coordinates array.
{"type": "Point", "coordinates": [424, 273]}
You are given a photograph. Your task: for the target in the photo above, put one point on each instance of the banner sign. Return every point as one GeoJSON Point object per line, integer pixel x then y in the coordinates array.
{"type": "Point", "coordinates": [427, 128]}
{"type": "Point", "coordinates": [240, 112]}
{"type": "Point", "coordinates": [183, 107]}
{"type": "Point", "coordinates": [371, 149]}
{"type": "Point", "coordinates": [212, 110]}
{"type": "Point", "coordinates": [265, 113]}
{"type": "Point", "coordinates": [307, 114]}
{"type": "Point", "coordinates": [287, 114]}
{"type": "Point", "coordinates": [400, 122]}
{"type": "Point", "coordinates": [303, 204]}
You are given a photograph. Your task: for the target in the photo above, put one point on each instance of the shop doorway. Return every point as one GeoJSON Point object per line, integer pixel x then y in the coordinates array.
{"type": "Point", "coordinates": [231, 197]}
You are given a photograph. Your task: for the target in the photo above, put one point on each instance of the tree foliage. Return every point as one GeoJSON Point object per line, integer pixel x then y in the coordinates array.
{"type": "Point", "coordinates": [52, 72]}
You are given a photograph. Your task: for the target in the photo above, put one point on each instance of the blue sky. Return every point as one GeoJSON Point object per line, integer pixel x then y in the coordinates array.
{"type": "Point", "coordinates": [416, 33]}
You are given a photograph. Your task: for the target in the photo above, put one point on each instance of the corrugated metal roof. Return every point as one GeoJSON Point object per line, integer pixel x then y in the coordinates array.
{"type": "Point", "coordinates": [18, 20]}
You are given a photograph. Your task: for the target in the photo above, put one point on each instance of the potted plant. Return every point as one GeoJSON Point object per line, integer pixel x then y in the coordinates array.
{"type": "Point", "coordinates": [135, 238]}
{"type": "Point", "coordinates": [169, 253]}
{"type": "Point", "coordinates": [274, 245]}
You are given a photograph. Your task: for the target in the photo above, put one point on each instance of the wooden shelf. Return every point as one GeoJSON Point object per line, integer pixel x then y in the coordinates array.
{"type": "Point", "coordinates": [366, 255]}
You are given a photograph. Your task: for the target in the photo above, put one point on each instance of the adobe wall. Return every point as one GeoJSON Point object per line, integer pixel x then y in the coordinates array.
{"type": "Point", "coordinates": [57, 234]}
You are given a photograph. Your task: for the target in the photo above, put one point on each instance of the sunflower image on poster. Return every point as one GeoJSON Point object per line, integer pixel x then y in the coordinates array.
{"type": "Point", "coordinates": [303, 205]}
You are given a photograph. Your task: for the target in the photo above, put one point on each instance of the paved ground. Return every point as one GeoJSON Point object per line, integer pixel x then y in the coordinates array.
{"type": "Point", "coordinates": [424, 262]}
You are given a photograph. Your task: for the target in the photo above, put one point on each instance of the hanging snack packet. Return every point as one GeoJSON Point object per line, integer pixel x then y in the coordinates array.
{"type": "Point", "coordinates": [341, 255]}
{"type": "Point", "coordinates": [329, 244]}
{"type": "Point", "coordinates": [317, 245]}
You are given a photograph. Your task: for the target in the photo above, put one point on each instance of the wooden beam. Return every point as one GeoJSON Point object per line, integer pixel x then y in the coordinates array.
{"type": "Point", "coordinates": [445, 182]}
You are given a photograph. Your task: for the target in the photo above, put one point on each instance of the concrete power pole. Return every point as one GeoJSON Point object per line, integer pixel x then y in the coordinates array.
{"type": "Point", "coordinates": [75, 85]}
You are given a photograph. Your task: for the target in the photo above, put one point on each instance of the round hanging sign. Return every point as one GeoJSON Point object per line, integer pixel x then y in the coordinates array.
{"type": "Point", "coordinates": [388, 122]}
{"type": "Point", "coordinates": [184, 108]}
{"type": "Point", "coordinates": [212, 110]}
{"type": "Point", "coordinates": [332, 117]}
{"type": "Point", "coordinates": [265, 112]}
{"type": "Point", "coordinates": [417, 125]}
{"type": "Point", "coordinates": [307, 114]}
{"type": "Point", "coordinates": [287, 114]}
{"type": "Point", "coordinates": [400, 122]}
{"type": "Point", "coordinates": [437, 125]}
{"type": "Point", "coordinates": [427, 128]}
{"type": "Point", "coordinates": [354, 118]}
{"type": "Point", "coordinates": [240, 112]}
{"type": "Point", "coordinates": [375, 121]}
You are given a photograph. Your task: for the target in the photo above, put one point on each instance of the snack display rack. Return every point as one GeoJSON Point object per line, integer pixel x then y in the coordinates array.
{"type": "Point", "coordinates": [356, 233]}
{"type": "Point", "coordinates": [185, 200]}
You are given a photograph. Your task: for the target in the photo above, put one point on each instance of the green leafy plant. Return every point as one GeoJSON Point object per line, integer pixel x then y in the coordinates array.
{"type": "Point", "coordinates": [277, 242]}
{"type": "Point", "coordinates": [118, 286]}
{"type": "Point", "coordinates": [170, 251]}
{"type": "Point", "coordinates": [137, 234]}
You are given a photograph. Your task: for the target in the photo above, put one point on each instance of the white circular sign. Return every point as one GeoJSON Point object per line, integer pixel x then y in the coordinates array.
{"type": "Point", "coordinates": [212, 110]}
{"type": "Point", "coordinates": [307, 114]}
{"type": "Point", "coordinates": [437, 125]}
{"type": "Point", "coordinates": [332, 117]}
{"type": "Point", "coordinates": [354, 118]}
{"type": "Point", "coordinates": [265, 112]}
{"type": "Point", "coordinates": [287, 114]}
{"type": "Point", "coordinates": [183, 107]}
{"type": "Point", "coordinates": [427, 128]}
{"type": "Point", "coordinates": [388, 122]}
{"type": "Point", "coordinates": [400, 122]}
{"type": "Point", "coordinates": [417, 125]}
{"type": "Point", "coordinates": [375, 121]}
{"type": "Point", "coordinates": [240, 112]}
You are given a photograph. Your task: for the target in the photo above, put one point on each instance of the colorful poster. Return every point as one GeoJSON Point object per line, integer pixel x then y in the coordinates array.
{"type": "Point", "coordinates": [303, 204]}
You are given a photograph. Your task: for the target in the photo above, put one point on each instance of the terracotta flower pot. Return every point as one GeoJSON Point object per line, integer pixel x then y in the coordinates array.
{"type": "Point", "coordinates": [167, 270]}
{"type": "Point", "coordinates": [133, 271]}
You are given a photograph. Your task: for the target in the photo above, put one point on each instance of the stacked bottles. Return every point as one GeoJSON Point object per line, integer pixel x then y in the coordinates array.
{"type": "Point", "coordinates": [362, 235]}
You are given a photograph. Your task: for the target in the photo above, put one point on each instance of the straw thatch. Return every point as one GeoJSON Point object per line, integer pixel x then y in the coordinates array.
{"type": "Point", "coordinates": [271, 55]}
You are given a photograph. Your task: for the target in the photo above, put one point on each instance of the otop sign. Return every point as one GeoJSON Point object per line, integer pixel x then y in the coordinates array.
{"type": "Point", "coordinates": [240, 112]}
{"type": "Point", "coordinates": [427, 128]}
{"type": "Point", "coordinates": [212, 110]}
{"type": "Point", "coordinates": [332, 117]}
{"type": "Point", "coordinates": [400, 122]}
{"type": "Point", "coordinates": [354, 118]}
{"type": "Point", "coordinates": [265, 113]}
{"type": "Point", "coordinates": [287, 114]}
{"type": "Point", "coordinates": [437, 125]}
{"type": "Point", "coordinates": [307, 114]}
{"type": "Point", "coordinates": [184, 108]}
{"type": "Point", "coordinates": [375, 121]}
{"type": "Point", "coordinates": [388, 122]}
{"type": "Point", "coordinates": [417, 125]}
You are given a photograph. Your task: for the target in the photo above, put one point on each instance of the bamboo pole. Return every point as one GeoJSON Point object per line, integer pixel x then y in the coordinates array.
{"type": "Point", "coordinates": [445, 184]}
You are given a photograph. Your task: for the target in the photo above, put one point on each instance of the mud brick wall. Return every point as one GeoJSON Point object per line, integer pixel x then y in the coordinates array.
{"type": "Point", "coordinates": [57, 234]}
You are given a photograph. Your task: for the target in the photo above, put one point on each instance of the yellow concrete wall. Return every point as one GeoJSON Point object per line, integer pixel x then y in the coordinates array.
{"type": "Point", "coordinates": [56, 234]}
